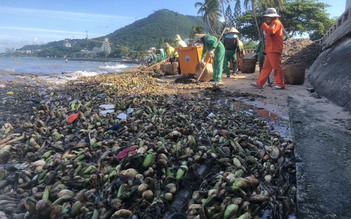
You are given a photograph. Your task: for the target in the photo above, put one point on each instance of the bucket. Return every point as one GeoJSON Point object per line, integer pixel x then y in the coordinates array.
{"type": "Point", "coordinates": [248, 65]}
{"type": "Point", "coordinates": [206, 75]}
{"type": "Point", "coordinates": [294, 74]}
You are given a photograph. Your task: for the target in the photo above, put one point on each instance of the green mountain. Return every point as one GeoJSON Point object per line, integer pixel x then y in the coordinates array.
{"type": "Point", "coordinates": [152, 31]}
{"type": "Point", "coordinates": [155, 29]}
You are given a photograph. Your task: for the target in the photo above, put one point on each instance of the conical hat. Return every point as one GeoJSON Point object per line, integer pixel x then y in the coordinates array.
{"type": "Point", "coordinates": [233, 30]}
{"type": "Point", "coordinates": [198, 37]}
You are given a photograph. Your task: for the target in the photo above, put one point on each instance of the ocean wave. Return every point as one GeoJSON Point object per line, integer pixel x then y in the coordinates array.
{"type": "Point", "coordinates": [55, 70]}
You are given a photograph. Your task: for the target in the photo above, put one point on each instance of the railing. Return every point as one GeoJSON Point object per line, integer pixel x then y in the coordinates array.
{"type": "Point", "coordinates": [342, 19]}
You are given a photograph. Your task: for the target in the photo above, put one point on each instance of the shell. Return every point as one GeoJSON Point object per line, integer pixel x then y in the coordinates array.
{"type": "Point", "coordinates": [223, 155]}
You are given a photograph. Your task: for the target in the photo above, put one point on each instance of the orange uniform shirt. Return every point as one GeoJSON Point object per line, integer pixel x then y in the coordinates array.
{"type": "Point", "coordinates": [274, 36]}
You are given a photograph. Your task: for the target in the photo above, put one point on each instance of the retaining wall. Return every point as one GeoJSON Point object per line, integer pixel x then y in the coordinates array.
{"type": "Point", "coordinates": [330, 74]}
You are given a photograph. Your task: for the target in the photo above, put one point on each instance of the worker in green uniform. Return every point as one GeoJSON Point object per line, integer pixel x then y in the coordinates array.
{"type": "Point", "coordinates": [216, 51]}
{"type": "Point", "coordinates": [231, 45]}
{"type": "Point", "coordinates": [161, 55]}
{"type": "Point", "coordinates": [260, 54]}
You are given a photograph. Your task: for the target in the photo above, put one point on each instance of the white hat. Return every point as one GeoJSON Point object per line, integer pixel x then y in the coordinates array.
{"type": "Point", "coordinates": [152, 49]}
{"type": "Point", "coordinates": [271, 12]}
{"type": "Point", "coordinates": [178, 38]}
{"type": "Point", "coordinates": [198, 37]}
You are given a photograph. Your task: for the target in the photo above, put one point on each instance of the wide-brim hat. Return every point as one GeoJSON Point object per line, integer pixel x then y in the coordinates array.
{"type": "Point", "coordinates": [233, 30]}
{"type": "Point", "coordinates": [198, 37]}
{"type": "Point", "coordinates": [271, 12]}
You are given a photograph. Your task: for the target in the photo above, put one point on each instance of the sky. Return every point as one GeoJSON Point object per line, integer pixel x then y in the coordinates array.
{"type": "Point", "coordinates": [28, 22]}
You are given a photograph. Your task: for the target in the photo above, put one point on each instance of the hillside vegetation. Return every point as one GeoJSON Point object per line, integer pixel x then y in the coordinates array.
{"type": "Point", "coordinates": [159, 27]}
{"type": "Point", "coordinates": [152, 31]}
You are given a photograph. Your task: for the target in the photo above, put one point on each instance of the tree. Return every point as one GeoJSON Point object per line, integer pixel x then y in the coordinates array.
{"type": "Point", "coordinates": [306, 17]}
{"type": "Point", "coordinates": [211, 13]}
{"type": "Point", "coordinates": [258, 5]}
{"type": "Point", "coordinates": [277, 4]}
{"type": "Point", "coordinates": [195, 30]}
{"type": "Point", "coordinates": [299, 17]}
{"type": "Point", "coordinates": [248, 29]}
{"type": "Point", "coordinates": [230, 15]}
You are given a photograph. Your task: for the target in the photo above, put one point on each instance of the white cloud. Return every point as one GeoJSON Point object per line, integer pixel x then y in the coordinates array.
{"type": "Point", "coordinates": [63, 15]}
{"type": "Point", "coordinates": [19, 26]}
{"type": "Point", "coordinates": [40, 30]}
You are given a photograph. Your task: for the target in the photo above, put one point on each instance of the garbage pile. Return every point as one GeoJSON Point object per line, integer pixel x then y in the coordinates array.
{"type": "Point", "coordinates": [116, 146]}
{"type": "Point", "coordinates": [300, 51]}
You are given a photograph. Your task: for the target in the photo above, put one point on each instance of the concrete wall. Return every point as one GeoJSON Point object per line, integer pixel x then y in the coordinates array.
{"type": "Point", "coordinates": [330, 74]}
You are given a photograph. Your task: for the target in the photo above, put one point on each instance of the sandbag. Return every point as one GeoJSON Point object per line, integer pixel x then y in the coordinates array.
{"type": "Point", "coordinates": [169, 68]}
{"type": "Point", "coordinates": [207, 74]}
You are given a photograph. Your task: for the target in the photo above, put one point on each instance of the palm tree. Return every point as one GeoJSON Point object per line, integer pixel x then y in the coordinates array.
{"type": "Point", "coordinates": [252, 3]}
{"type": "Point", "coordinates": [264, 4]}
{"type": "Point", "coordinates": [212, 10]}
{"type": "Point", "coordinates": [223, 4]}
{"type": "Point", "coordinates": [211, 14]}
{"type": "Point", "coordinates": [278, 4]}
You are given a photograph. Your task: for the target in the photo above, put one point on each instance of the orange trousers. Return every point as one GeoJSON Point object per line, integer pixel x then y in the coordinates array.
{"type": "Point", "coordinates": [273, 61]}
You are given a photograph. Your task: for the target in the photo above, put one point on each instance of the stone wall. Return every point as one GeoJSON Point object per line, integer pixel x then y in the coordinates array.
{"type": "Point", "coordinates": [330, 74]}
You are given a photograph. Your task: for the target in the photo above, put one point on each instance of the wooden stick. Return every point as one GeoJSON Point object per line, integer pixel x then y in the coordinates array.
{"type": "Point", "coordinates": [219, 40]}
{"type": "Point", "coordinates": [151, 66]}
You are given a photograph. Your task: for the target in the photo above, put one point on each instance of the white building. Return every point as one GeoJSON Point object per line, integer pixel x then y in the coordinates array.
{"type": "Point", "coordinates": [67, 44]}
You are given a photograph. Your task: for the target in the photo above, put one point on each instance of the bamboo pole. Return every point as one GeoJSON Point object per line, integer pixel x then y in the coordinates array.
{"type": "Point", "coordinates": [154, 65]}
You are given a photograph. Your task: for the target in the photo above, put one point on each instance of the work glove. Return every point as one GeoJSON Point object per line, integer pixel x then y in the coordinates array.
{"type": "Point", "coordinates": [211, 54]}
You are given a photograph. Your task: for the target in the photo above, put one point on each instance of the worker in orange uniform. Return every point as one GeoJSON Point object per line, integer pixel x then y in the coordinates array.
{"type": "Point", "coordinates": [273, 49]}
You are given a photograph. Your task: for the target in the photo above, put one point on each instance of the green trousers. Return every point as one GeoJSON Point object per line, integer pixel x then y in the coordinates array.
{"type": "Point", "coordinates": [229, 55]}
{"type": "Point", "coordinates": [260, 61]}
{"type": "Point", "coordinates": [218, 63]}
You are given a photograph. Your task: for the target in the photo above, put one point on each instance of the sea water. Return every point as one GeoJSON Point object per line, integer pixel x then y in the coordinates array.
{"type": "Point", "coordinates": [56, 70]}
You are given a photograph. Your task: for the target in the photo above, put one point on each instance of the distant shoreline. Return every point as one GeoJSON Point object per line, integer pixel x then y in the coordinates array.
{"type": "Point", "coordinates": [131, 61]}
{"type": "Point", "coordinates": [105, 60]}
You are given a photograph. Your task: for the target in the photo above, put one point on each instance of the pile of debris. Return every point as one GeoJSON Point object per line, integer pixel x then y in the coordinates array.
{"type": "Point", "coordinates": [300, 51]}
